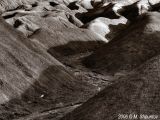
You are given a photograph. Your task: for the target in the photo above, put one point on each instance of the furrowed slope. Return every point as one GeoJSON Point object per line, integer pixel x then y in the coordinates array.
{"type": "Point", "coordinates": [6, 5]}
{"type": "Point", "coordinates": [53, 26]}
{"type": "Point", "coordinates": [31, 80]}
{"type": "Point", "coordinates": [136, 94]}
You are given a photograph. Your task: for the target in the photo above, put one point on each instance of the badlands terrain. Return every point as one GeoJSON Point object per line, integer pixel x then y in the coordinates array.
{"type": "Point", "coordinates": [79, 59]}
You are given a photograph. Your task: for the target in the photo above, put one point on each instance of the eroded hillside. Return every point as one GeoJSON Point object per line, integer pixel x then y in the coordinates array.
{"type": "Point", "coordinates": [78, 59]}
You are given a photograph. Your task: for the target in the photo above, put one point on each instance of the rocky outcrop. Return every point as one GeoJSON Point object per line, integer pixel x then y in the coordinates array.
{"type": "Point", "coordinates": [104, 27]}
{"type": "Point", "coordinates": [130, 49]}
{"type": "Point", "coordinates": [46, 26]}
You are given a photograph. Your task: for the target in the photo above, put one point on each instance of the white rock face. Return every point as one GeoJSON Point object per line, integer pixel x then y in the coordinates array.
{"type": "Point", "coordinates": [101, 25]}
{"type": "Point", "coordinates": [86, 4]}
{"type": "Point", "coordinates": [143, 6]}
{"type": "Point", "coordinates": [153, 2]}
{"type": "Point", "coordinates": [100, 28]}
{"type": "Point", "coordinates": [117, 7]}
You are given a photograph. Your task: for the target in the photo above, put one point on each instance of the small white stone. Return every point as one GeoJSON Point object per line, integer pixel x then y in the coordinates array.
{"type": "Point", "coordinates": [42, 96]}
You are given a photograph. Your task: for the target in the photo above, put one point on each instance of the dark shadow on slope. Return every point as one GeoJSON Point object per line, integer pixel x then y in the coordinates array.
{"type": "Point", "coordinates": [34, 4]}
{"type": "Point", "coordinates": [9, 16]}
{"type": "Point", "coordinates": [115, 30]}
{"type": "Point", "coordinates": [17, 23]}
{"type": "Point", "coordinates": [131, 12]}
{"type": "Point", "coordinates": [54, 89]}
{"type": "Point", "coordinates": [75, 47]}
{"type": "Point", "coordinates": [99, 12]}
{"type": "Point", "coordinates": [155, 7]}
{"type": "Point", "coordinates": [53, 4]}
{"type": "Point", "coordinates": [73, 6]}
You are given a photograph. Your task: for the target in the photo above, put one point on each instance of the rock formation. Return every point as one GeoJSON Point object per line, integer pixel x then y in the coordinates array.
{"type": "Point", "coordinates": [55, 55]}
{"type": "Point", "coordinates": [130, 49]}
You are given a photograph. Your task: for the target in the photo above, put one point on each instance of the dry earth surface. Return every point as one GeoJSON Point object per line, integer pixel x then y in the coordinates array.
{"type": "Point", "coordinates": [79, 59]}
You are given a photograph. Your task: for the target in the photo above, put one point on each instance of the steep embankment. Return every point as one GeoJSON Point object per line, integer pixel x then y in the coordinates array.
{"type": "Point", "coordinates": [134, 95]}
{"type": "Point", "coordinates": [31, 80]}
